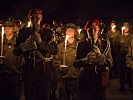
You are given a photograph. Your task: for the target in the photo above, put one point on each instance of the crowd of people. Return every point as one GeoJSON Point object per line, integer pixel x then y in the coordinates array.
{"type": "Point", "coordinates": [64, 61]}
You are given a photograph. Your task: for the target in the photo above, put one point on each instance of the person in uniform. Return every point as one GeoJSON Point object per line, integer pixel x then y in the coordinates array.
{"type": "Point", "coordinates": [123, 41]}
{"type": "Point", "coordinates": [113, 34]}
{"type": "Point", "coordinates": [67, 74]}
{"type": "Point", "coordinates": [9, 64]}
{"type": "Point", "coordinates": [94, 58]}
{"type": "Point", "coordinates": [36, 44]}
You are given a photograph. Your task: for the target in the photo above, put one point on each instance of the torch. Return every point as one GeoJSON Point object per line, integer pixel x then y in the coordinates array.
{"type": "Point", "coordinates": [122, 32]}
{"type": "Point", "coordinates": [64, 58]}
{"type": "Point", "coordinates": [29, 23]}
{"type": "Point", "coordinates": [113, 27]}
{"type": "Point", "coordinates": [1, 53]}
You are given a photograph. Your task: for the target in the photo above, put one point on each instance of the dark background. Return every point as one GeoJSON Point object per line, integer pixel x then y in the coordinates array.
{"type": "Point", "coordinates": [77, 11]}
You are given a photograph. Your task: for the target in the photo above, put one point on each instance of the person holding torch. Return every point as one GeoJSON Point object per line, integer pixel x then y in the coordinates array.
{"type": "Point", "coordinates": [10, 64]}
{"type": "Point", "coordinates": [123, 41]}
{"type": "Point", "coordinates": [67, 73]}
{"type": "Point", "coordinates": [113, 34]}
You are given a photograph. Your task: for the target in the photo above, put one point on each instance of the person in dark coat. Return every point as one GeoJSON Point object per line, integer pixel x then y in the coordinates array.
{"type": "Point", "coordinates": [37, 46]}
{"type": "Point", "coordinates": [93, 57]}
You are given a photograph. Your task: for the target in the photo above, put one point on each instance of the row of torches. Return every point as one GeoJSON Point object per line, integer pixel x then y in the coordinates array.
{"type": "Point", "coordinates": [66, 39]}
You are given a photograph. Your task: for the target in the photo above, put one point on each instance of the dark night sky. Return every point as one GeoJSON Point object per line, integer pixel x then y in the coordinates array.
{"type": "Point", "coordinates": [70, 10]}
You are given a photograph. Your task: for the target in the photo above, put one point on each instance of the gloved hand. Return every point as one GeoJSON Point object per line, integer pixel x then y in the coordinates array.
{"type": "Point", "coordinates": [29, 45]}
{"type": "Point", "coordinates": [91, 57]}
{"type": "Point", "coordinates": [96, 50]}
{"type": "Point", "coordinates": [101, 60]}
{"type": "Point", "coordinates": [38, 38]}
{"type": "Point", "coordinates": [97, 59]}
{"type": "Point", "coordinates": [95, 56]}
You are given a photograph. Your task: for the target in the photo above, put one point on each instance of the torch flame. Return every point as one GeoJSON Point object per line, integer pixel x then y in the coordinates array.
{"type": "Point", "coordinates": [2, 31]}
{"type": "Point", "coordinates": [79, 30]}
{"type": "Point", "coordinates": [122, 28]}
{"type": "Point", "coordinates": [112, 27]}
{"type": "Point", "coordinates": [29, 23]}
{"type": "Point", "coordinates": [67, 36]}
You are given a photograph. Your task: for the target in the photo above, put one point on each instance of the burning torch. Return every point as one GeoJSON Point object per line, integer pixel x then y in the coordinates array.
{"type": "Point", "coordinates": [122, 29]}
{"type": "Point", "coordinates": [1, 53]}
{"type": "Point", "coordinates": [64, 58]}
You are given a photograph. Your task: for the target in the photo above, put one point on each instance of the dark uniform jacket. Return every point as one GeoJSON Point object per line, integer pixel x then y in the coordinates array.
{"type": "Point", "coordinates": [47, 48]}
{"type": "Point", "coordinates": [89, 78]}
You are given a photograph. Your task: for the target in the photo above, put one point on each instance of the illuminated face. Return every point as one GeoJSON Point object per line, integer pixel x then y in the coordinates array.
{"type": "Point", "coordinates": [126, 30]}
{"type": "Point", "coordinates": [70, 32]}
{"type": "Point", "coordinates": [8, 30]}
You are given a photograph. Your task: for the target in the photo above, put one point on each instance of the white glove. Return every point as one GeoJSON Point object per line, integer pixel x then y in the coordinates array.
{"type": "Point", "coordinates": [91, 57]}
{"type": "Point", "coordinates": [101, 60]}
{"type": "Point", "coordinates": [38, 38]}
{"type": "Point", "coordinates": [96, 50]}
{"type": "Point", "coordinates": [94, 58]}
{"type": "Point", "coordinates": [29, 45]}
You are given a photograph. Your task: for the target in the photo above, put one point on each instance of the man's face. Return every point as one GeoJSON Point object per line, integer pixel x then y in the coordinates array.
{"type": "Point", "coordinates": [36, 18]}
{"type": "Point", "coordinates": [126, 29]}
{"type": "Point", "coordinates": [8, 30]}
{"type": "Point", "coordinates": [96, 29]}
{"type": "Point", "coordinates": [70, 32]}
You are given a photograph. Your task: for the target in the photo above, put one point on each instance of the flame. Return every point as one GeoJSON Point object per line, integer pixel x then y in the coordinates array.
{"type": "Point", "coordinates": [67, 36]}
{"type": "Point", "coordinates": [2, 31]}
{"type": "Point", "coordinates": [29, 23]}
{"type": "Point", "coordinates": [79, 30]}
{"type": "Point", "coordinates": [112, 27]}
{"type": "Point", "coordinates": [122, 28]}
